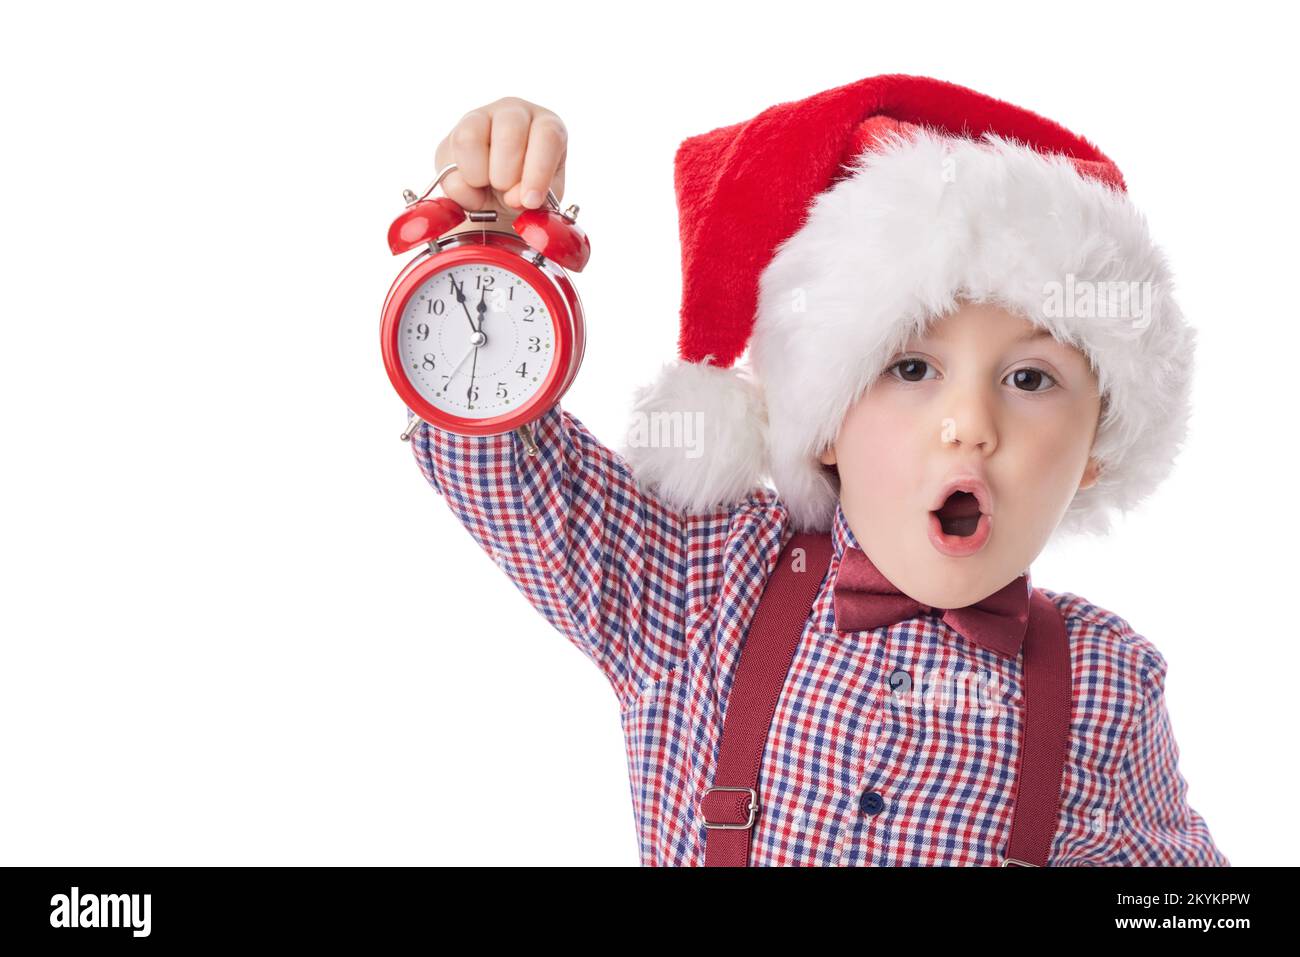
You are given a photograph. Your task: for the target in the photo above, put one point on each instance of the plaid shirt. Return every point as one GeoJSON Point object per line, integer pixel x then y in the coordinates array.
{"type": "Point", "coordinates": [872, 758]}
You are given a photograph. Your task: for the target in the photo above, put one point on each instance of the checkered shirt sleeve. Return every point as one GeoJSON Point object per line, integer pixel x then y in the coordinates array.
{"type": "Point", "coordinates": [1154, 825]}
{"type": "Point", "coordinates": [610, 566]}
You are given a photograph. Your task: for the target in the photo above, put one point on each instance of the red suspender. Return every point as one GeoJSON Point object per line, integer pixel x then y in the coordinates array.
{"type": "Point", "coordinates": [1044, 735]}
{"type": "Point", "coordinates": [730, 806]}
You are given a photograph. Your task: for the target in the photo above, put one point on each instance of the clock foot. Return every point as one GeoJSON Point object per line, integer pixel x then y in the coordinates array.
{"type": "Point", "coordinates": [414, 424]}
{"type": "Point", "coordinates": [526, 434]}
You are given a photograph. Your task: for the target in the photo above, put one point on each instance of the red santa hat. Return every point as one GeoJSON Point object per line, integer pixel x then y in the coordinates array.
{"type": "Point", "coordinates": [822, 234]}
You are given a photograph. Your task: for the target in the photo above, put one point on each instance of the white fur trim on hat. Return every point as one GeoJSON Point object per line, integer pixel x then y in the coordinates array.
{"type": "Point", "coordinates": [697, 438]}
{"type": "Point", "coordinates": [922, 222]}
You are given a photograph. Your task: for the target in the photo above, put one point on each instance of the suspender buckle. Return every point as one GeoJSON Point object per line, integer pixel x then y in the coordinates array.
{"type": "Point", "coordinates": [753, 809]}
{"type": "Point", "coordinates": [1013, 862]}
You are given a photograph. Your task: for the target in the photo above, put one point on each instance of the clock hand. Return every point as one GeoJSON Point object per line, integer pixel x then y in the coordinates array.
{"type": "Point", "coordinates": [460, 297]}
{"type": "Point", "coordinates": [475, 342]}
{"type": "Point", "coordinates": [469, 393]}
{"type": "Point", "coordinates": [482, 308]}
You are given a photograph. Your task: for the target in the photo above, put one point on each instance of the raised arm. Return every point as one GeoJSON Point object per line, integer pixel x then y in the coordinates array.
{"type": "Point", "coordinates": [609, 566]}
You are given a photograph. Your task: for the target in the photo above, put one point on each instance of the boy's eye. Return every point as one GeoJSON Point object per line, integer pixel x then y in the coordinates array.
{"type": "Point", "coordinates": [1030, 379]}
{"type": "Point", "coordinates": [912, 370]}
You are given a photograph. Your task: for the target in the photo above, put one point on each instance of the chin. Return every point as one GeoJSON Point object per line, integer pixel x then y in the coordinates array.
{"type": "Point", "coordinates": [946, 598]}
{"type": "Point", "coordinates": [958, 582]}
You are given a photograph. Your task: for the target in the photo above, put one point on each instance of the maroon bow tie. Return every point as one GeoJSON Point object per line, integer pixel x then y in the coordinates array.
{"type": "Point", "coordinates": [866, 599]}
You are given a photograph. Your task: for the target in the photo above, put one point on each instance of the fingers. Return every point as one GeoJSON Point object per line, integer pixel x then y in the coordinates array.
{"type": "Point", "coordinates": [507, 154]}
{"type": "Point", "coordinates": [467, 147]}
{"type": "Point", "coordinates": [548, 144]}
{"type": "Point", "coordinates": [508, 140]}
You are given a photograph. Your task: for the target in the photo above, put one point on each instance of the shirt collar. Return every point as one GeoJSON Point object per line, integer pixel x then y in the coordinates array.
{"type": "Point", "coordinates": [841, 535]}
{"type": "Point", "coordinates": [842, 539]}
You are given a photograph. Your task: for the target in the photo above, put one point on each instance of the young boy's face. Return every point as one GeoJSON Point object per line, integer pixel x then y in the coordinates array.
{"type": "Point", "coordinates": [972, 397]}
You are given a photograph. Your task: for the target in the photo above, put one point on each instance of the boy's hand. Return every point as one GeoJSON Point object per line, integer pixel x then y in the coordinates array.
{"type": "Point", "coordinates": [506, 154]}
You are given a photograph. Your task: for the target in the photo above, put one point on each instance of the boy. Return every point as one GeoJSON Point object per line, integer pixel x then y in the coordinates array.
{"type": "Point", "coordinates": [923, 384]}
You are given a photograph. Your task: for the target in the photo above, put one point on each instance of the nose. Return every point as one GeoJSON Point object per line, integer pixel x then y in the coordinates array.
{"type": "Point", "coordinates": [971, 420]}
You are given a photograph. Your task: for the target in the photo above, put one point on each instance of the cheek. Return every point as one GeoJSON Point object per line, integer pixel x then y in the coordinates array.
{"type": "Point", "coordinates": [876, 453]}
{"type": "Point", "coordinates": [1051, 451]}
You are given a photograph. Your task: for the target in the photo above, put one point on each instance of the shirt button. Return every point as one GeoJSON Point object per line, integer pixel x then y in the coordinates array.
{"type": "Point", "coordinates": [900, 682]}
{"type": "Point", "coordinates": [871, 803]}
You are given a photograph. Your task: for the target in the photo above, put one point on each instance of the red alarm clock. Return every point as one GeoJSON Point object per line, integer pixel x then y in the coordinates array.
{"type": "Point", "coordinates": [483, 331]}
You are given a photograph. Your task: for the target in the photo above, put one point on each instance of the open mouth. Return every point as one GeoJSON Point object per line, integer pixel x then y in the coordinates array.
{"type": "Point", "coordinates": [959, 515]}
{"type": "Point", "coordinates": [960, 524]}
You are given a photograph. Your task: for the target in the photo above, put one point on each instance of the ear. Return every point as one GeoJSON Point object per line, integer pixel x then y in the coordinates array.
{"type": "Point", "coordinates": [828, 456]}
{"type": "Point", "coordinates": [1090, 474]}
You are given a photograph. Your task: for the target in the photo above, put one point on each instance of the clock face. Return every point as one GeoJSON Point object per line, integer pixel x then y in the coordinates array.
{"type": "Point", "coordinates": [476, 341]}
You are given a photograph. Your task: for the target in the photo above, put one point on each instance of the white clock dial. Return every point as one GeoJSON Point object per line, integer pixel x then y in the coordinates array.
{"type": "Point", "coordinates": [476, 341]}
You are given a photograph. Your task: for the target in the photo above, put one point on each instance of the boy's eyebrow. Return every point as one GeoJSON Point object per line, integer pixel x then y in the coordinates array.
{"type": "Point", "coordinates": [1036, 334]}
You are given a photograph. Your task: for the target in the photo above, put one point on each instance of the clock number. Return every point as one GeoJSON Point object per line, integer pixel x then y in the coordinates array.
{"type": "Point", "coordinates": [522, 370]}
{"type": "Point", "coordinates": [528, 313]}
{"type": "Point", "coordinates": [501, 391]}
{"type": "Point", "coordinates": [536, 344]}
{"type": "Point", "coordinates": [444, 380]}
{"type": "Point", "coordinates": [423, 330]}
{"type": "Point", "coordinates": [428, 360]}
{"type": "Point", "coordinates": [472, 393]}
{"type": "Point", "coordinates": [436, 306]}
{"type": "Point", "coordinates": [484, 280]}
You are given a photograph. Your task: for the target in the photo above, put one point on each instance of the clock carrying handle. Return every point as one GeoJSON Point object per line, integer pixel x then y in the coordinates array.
{"type": "Point", "coordinates": [550, 232]}
{"type": "Point", "coordinates": [479, 215]}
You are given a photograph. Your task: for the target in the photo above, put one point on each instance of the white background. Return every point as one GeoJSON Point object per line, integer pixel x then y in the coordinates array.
{"type": "Point", "coordinates": [238, 627]}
